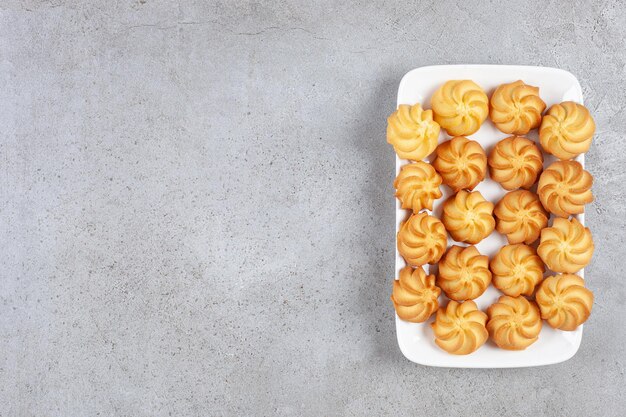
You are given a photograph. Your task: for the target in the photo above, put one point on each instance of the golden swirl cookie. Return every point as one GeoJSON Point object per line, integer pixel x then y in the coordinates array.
{"type": "Point", "coordinates": [564, 188]}
{"type": "Point", "coordinates": [520, 216]}
{"type": "Point", "coordinates": [567, 246]}
{"type": "Point", "coordinates": [417, 186]}
{"type": "Point", "coordinates": [422, 239]}
{"type": "Point", "coordinates": [514, 322]}
{"type": "Point", "coordinates": [462, 163]}
{"type": "Point", "coordinates": [468, 217]}
{"type": "Point", "coordinates": [460, 328]}
{"type": "Point", "coordinates": [464, 273]}
{"type": "Point", "coordinates": [516, 270]}
{"type": "Point", "coordinates": [564, 301]}
{"type": "Point", "coordinates": [412, 132]}
{"type": "Point", "coordinates": [515, 162]}
{"type": "Point", "coordinates": [516, 108]}
{"type": "Point", "coordinates": [415, 295]}
{"type": "Point", "coordinates": [567, 130]}
{"type": "Point", "coordinates": [460, 107]}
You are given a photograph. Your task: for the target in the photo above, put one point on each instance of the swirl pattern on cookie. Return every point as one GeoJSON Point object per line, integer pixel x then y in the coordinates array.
{"type": "Point", "coordinates": [564, 301]}
{"type": "Point", "coordinates": [567, 246]}
{"type": "Point", "coordinates": [468, 217]}
{"type": "Point", "coordinates": [564, 188]}
{"type": "Point", "coordinates": [460, 107]}
{"type": "Point", "coordinates": [516, 108]}
{"type": "Point", "coordinates": [417, 186]}
{"type": "Point", "coordinates": [520, 216]}
{"type": "Point", "coordinates": [422, 239]}
{"type": "Point", "coordinates": [515, 162]}
{"type": "Point", "coordinates": [462, 163]}
{"type": "Point", "coordinates": [463, 273]}
{"type": "Point", "coordinates": [412, 132]}
{"type": "Point", "coordinates": [460, 328]}
{"type": "Point", "coordinates": [514, 322]}
{"type": "Point", "coordinates": [567, 130]}
{"type": "Point", "coordinates": [415, 295]}
{"type": "Point", "coordinates": [516, 270]}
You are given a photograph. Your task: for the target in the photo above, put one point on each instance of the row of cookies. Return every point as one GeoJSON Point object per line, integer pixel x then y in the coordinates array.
{"type": "Point", "coordinates": [464, 273]}
{"type": "Point", "coordinates": [461, 106]}
{"type": "Point", "coordinates": [513, 322]}
{"type": "Point", "coordinates": [564, 188]}
{"type": "Point", "coordinates": [566, 246]}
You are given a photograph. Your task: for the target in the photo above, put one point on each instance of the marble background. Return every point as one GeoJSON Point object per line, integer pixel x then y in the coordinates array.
{"type": "Point", "coordinates": [196, 214]}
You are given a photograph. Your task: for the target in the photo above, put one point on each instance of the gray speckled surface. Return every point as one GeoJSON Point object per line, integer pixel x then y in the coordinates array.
{"type": "Point", "coordinates": [196, 215]}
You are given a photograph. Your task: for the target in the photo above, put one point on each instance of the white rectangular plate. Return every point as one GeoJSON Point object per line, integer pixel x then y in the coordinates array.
{"type": "Point", "coordinates": [416, 340]}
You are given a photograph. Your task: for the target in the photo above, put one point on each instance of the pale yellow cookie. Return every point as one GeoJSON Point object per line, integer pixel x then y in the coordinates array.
{"type": "Point", "coordinates": [564, 188]}
{"type": "Point", "coordinates": [514, 322]}
{"type": "Point", "coordinates": [520, 216]}
{"type": "Point", "coordinates": [415, 295]}
{"type": "Point", "coordinates": [567, 246]}
{"type": "Point", "coordinates": [462, 163]}
{"type": "Point", "coordinates": [567, 130]}
{"type": "Point", "coordinates": [515, 162]}
{"type": "Point", "coordinates": [422, 239]}
{"type": "Point", "coordinates": [468, 217]}
{"type": "Point", "coordinates": [417, 186]}
{"type": "Point", "coordinates": [412, 132]}
{"type": "Point", "coordinates": [460, 328]}
{"type": "Point", "coordinates": [564, 301]}
{"type": "Point", "coordinates": [460, 107]}
{"type": "Point", "coordinates": [516, 270]}
{"type": "Point", "coordinates": [463, 273]}
{"type": "Point", "coordinates": [516, 108]}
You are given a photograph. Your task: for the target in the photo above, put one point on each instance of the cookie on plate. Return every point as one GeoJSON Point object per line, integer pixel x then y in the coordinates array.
{"type": "Point", "coordinates": [462, 163]}
{"type": "Point", "coordinates": [567, 130]}
{"type": "Point", "coordinates": [460, 328]}
{"type": "Point", "coordinates": [412, 132]}
{"type": "Point", "coordinates": [460, 107]}
{"type": "Point", "coordinates": [515, 162]}
{"type": "Point", "coordinates": [516, 270]}
{"type": "Point", "coordinates": [567, 246]}
{"type": "Point", "coordinates": [468, 217]}
{"type": "Point", "coordinates": [514, 322]}
{"type": "Point", "coordinates": [564, 301]}
{"type": "Point", "coordinates": [520, 216]}
{"type": "Point", "coordinates": [463, 273]}
{"type": "Point", "coordinates": [415, 295]}
{"type": "Point", "coordinates": [422, 239]}
{"type": "Point", "coordinates": [417, 186]}
{"type": "Point", "coordinates": [564, 188]}
{"type": "Point", "coordinates": [516, 108]}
